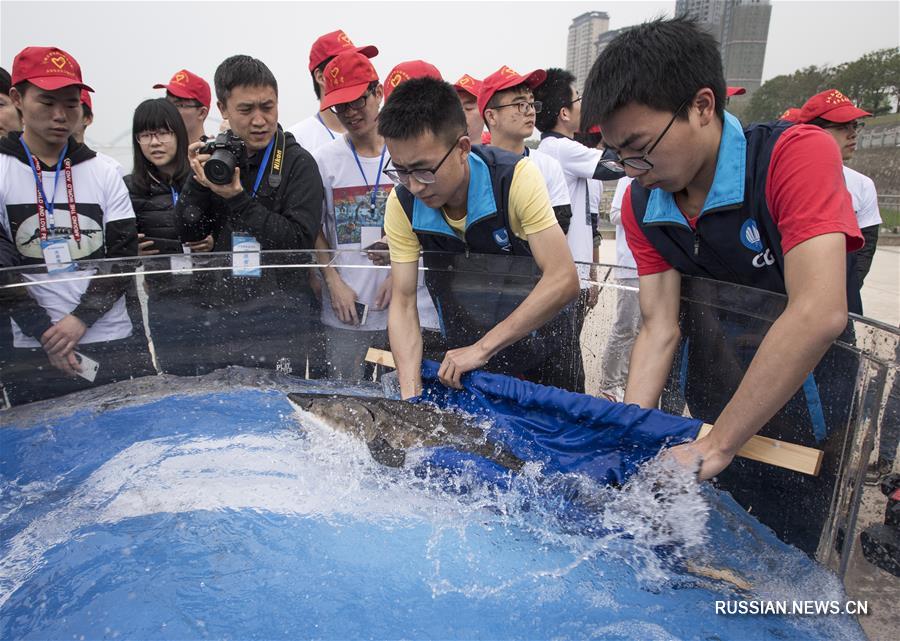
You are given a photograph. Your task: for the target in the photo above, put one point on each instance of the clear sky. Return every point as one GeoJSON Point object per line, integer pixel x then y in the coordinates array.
{"type": "Point", "coordinates": [125, 47]}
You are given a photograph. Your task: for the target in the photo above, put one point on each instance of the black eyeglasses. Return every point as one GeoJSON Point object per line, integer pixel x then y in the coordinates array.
{"type": "Point", "coordinates": [186, 104]}
{"type": "Point", "coordinates": [847, 127]}
{"type": "Point", "coordinates": [163, 136]}
{"type": "Point", "coordinates": [523, 106]}
{"type": "Point", "coordinates": [640, 162]}
{"type": "Point", "coordinates": [424, 176]}
{"type": "Point", "coordinates": [355, 105]}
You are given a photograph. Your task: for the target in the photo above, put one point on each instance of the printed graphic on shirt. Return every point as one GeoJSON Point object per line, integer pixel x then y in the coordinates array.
{"type": "Point", "coordinates": [354, 209]}
{"type": "Point", "coordinates": [28, 237]}
{"type": "Point", "coordinates": [751, 239]}
{"type": "Point", "coordinates": [25, 226]}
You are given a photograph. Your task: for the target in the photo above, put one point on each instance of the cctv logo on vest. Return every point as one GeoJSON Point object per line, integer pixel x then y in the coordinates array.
{"type": "Point", "coordinates": [501, 237]}
{"type": "Point", "coordinates": [751, 240]}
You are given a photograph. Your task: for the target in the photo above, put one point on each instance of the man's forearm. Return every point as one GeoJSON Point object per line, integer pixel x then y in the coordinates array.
{"type": "Point", "coordinates": [406, 344]}
{"type": "Point", "coordinates": [773, 378]}
{"type": "Point", "coordinates": [549, 296]}
{"type": "Point", "coordinates": [651, 361]}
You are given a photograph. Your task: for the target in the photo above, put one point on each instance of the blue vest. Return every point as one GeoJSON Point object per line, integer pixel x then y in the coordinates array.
{"type": "Point", "coordinates": [472, 293]}
{"type": "Point", "coordinates": [487, 220]}
{"type": "Point", "coordinates": [736, 241]}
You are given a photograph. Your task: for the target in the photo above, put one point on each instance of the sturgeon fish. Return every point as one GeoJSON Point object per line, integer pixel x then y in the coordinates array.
{"type": "Point", "coordinates": [390, 427]}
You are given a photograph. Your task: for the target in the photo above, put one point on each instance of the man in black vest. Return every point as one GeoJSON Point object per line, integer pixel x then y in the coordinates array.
{"type": "Point", "coordinates": [456, 198]}
{"type": "Point", "coordinates": [766, 208]}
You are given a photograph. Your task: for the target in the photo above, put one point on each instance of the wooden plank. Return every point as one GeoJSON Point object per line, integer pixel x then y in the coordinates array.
{"type": "Point", "coordinates": [790, 456]}
{"type": "Point", "coordinates": [380, 357]}
{"type": "Point", "coordinates": [779, 453]}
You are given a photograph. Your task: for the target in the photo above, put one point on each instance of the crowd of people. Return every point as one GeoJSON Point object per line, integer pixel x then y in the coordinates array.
{"type": "Point", "coordinates": [387, 170]}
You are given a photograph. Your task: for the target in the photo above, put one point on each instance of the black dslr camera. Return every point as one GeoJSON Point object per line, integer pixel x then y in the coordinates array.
{"type": "Point", "coordinates": [228, 151]}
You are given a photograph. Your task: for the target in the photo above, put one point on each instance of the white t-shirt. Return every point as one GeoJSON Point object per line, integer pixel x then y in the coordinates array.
{"type": "Point", "coordinates": [100, 198]}
{"type": "Point", "coordinates": [864, 197]}
{"type": "Point", "coordinates": [578, 164]}
{"type": "Point", "coordinates": [595, 190]}
{"type": "Point", "coordinates": [112, 162]}
{"type": "Point", "coordinates": [352, 214]}
{"type": "Point", "coordinates": [624, 257]}
{"type": "Point", "coordinates": [553, 175]}
{"type": "Point", "coordinates": [312, 133]}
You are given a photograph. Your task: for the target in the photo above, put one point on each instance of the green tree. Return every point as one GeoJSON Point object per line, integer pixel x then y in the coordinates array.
{"type": "Point", "coordinates": [781, 92]}
{"type": "Point", "coordinates": [870, 81]}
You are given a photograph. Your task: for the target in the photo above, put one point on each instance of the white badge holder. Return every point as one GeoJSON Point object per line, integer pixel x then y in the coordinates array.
{"type": "Point", "coordinates": [369, 235]}
{"type": "Point", "coordinates": [56, 255]}
{"type": "Point", "coordinates": [245, 256]}
{"type": "Point", "coordinates": [182, 263]}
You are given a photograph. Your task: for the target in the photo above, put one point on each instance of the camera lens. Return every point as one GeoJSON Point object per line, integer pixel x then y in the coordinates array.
{"type": "Point", "coordinates": [220, 167]}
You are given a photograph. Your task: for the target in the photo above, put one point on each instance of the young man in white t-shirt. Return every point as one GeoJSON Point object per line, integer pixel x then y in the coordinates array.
{"type": "Point", "coordinates": [357, 292]}
{"type": "Point", "coordinates": [558, 121]}
{"type": "Point", "coordinates": [507, 105]}
{"type": "Point", "coordinates": [60, 204]}
{"type": "Point", "coordinates": [324, 125]}
{"type": "Point", "coordinates": [834, 113]}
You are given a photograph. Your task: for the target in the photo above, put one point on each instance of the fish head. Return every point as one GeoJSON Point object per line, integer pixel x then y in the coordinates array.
{"type": "Point", "coordinates": [346, 413]}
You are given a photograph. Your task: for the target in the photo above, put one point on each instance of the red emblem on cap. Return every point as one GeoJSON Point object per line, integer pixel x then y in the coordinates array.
{"type": "Point", "coordinates": [836, 98]}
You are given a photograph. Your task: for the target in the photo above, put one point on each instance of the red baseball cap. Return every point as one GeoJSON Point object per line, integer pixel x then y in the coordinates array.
{"type": "Point", "coordinates": [830, 105]}
{"type": "Point", "coordinates": [408, 70]}
{"type": "Point", "coordinates": [791, 114]}
{"type": "Point", "coordinates": [347, 77]}
{"type": "Point", "coordinates": [331, 44]}
{"type": "Point", "coordinates": [49, 68]}
{"type": "Point", "coordinates": [504, 78]}
{"type": "Point", "coordinates": [735, 91]}
{"type": "Point", "coordinates": [468, 84]}
{"type": "Point", "coordinates": [86, 100]}
{"type": "Point", "coordinates": [185, 84]}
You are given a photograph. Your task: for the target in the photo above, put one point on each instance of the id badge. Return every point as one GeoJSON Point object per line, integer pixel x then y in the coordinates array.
{"type": "Point", "coordinates": [245, 256]}
{"type": "Point", "coordinates": [56, 255]}
{"type": "Point", "coordinates": [182, 263]}
{"type": "Point", "coordinates": [369, 235]}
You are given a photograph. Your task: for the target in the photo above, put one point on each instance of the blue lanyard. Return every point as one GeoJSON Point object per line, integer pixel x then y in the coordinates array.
{"type": "Point", "coordinates": [526, 152]}
{"type": "Point", "coordinates": [366, 180]}
{"type": "Point", "coordinates": [48, 204]}
{"type": "Point", "coordinates": [174, 197]}
{"type": "Point", "coordinates": [262, 166]}
{"type": "Point", "coordinates": [330, 133]}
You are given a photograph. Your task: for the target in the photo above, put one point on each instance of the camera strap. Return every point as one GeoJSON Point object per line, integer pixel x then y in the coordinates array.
{"type": "Point", "coordinates": [277, 159]}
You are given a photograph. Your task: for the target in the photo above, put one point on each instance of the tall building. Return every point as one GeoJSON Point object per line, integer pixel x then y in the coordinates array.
{"type": "Point", "coordinates": [581, 45]}
{"type": "Point", "coordinates": [605, 38]}
{"type": "Point", "coordinates": [742, 29]}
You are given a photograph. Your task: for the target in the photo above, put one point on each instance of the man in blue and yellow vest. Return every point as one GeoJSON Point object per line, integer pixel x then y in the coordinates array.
{"type": "Point", "coordinates": [457, 198]}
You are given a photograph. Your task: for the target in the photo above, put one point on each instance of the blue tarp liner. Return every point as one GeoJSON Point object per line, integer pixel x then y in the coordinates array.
{"type": "Point", "coordinates": [568, 432]}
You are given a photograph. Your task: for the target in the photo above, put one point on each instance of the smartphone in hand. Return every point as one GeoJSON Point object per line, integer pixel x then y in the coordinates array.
{"type": "Point", "coordinates": [362, 312]}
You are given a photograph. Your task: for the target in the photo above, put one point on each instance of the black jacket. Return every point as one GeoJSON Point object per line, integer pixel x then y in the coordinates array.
{"type": "Point", "coordinates": [286, 216]}
{"type": "Point", "coordinates": [155, 215]}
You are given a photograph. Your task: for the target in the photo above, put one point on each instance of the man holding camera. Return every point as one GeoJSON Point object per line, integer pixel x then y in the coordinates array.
{"type": "Point", "coordinates": [257, 190]}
